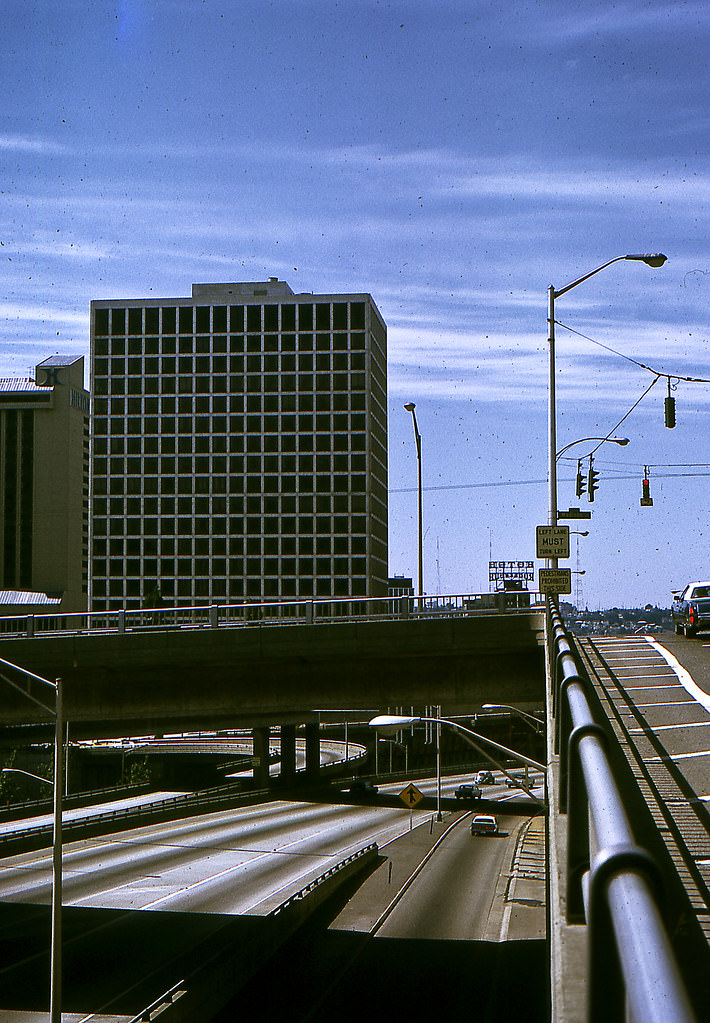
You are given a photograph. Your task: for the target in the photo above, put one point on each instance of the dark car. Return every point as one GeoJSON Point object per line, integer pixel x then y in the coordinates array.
{"type": "Point", "coordinates": [362, 788]}
{"type": "Point", "coordinates": [468, 792]}
{"type": "Point", "coordinates": [485, 778]}
{"type": "Point", "coordinates": [691, 608]}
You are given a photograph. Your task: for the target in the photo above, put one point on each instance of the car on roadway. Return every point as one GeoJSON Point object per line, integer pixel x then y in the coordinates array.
{"type": "Point", "coordinates": [468, 792]}
{"type": "Point", "coordinates": [484, 824]}
{"type": "Point", "coordinates": [484, 778]}
{"type": "Point", "coordinates": [362, 788]}
{"type": "Point", "coordinates": [691, 608]}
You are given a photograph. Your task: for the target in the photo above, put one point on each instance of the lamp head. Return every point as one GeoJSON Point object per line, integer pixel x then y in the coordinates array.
{"type": "Point", "coordinates": [654, 259]}
{"type": "Point", "coordinates": [410, 406]}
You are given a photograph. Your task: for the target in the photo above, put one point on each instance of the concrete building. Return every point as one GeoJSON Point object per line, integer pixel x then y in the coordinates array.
{"type": "Point", "coordinates": [44, 459]}
{"type": "Point", "coordinates": [239, 447]}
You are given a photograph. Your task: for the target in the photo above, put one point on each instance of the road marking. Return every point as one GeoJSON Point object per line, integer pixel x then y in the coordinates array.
{"type": "Point", "coordinates": [667, 728]}
{"type": "Point", "coordinates": [686, 679]}
{"type": "Point", "coordinates": [680, 756]}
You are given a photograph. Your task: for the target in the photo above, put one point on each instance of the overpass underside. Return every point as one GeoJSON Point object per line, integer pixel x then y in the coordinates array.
{"type": "Point", "coordinates": [155, 680]}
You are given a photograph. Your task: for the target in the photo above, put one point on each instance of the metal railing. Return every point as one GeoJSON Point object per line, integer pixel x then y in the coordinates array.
{"type": "Point", "coordinates": [612, 883]}
{"type": "Point", "coordinates": [278, 612]}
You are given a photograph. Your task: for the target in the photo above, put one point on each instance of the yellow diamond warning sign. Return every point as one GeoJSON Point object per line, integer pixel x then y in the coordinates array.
{"type": "Point", "coordinates": [411, 796]}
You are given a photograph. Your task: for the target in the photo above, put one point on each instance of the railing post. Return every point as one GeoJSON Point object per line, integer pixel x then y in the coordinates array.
{"type": "Point", "coordinates": [404, 606]}
{"type": "Point", "coordinates": [30, 626]}
{"type": "Point", "coordinates": [213, 616]}
{"type": "Point", "coordinates": [309, 612]}
{"type": "Point", "coordinates": [121, 623]}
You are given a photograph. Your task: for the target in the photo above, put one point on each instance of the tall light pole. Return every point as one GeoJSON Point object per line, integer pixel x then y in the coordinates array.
{"type": "Point", "coordinates": [410, 407]}
{"type": "Point", "coordinates": [654, 259]}
{"type": "Point", "coordinates": [27, 677]}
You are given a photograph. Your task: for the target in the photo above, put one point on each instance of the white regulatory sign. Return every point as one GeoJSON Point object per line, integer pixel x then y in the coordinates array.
{"type": "Point", "coordinates": [552, 541]}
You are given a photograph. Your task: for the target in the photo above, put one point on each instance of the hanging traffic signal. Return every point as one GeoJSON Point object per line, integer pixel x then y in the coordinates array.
{"type": "Point", "coordinates": [592, 478]}
{"type": "Point", "coordinates": [581, 480]}
{"type": "Point", "coordinates": [646, 499]}
{"type": "Point", "coordinates": [669, 410]}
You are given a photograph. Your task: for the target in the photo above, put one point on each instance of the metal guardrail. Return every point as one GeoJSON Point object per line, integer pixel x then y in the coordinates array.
{"type": "Point", "coordinates": [288, 612]}
{"type": "Point", "coordinates": [612, 883]}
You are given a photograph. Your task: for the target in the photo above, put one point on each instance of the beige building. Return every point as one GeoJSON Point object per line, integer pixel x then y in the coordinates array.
{"type": "Point", "coordinates": [44, 445]}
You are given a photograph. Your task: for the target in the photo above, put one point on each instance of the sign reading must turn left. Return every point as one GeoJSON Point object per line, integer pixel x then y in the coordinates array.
{"type": "Point", "coordinates": [552, 541]}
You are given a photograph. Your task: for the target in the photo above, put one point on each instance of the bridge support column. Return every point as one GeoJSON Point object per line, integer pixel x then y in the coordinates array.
{"type": "Point", "coordinates": [288, 754]}
{"type": "Point", "coordinates": [260, 773]}
{"type": "Point", "coordinates": [312, 751]}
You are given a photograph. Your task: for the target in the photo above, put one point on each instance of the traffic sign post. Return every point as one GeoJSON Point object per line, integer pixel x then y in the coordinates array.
{"type": "Point", "coordinates": [555, 580]}
{"type": "Point", "coordinates": [552, 541]}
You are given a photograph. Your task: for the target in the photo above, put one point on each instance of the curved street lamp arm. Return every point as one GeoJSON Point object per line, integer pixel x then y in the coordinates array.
{"type": "Point", "coordinates": [654, 259]}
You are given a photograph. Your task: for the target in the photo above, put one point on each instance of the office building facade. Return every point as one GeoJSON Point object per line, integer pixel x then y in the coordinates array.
{"type": "Point", "coordinates": [44, 463]}
{"type": "Point", "coordinates": [239, 447]}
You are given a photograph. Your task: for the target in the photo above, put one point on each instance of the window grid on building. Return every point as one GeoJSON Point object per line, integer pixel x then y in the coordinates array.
{"type": "Point", "coordinates": [238, 450]}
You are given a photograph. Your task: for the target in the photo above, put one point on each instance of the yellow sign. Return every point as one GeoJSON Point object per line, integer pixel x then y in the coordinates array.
{"type": "Point", "coordinates": [411, 796]}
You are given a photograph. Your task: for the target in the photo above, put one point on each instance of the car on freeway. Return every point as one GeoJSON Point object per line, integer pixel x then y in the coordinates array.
{"type": "Point", "coordinates": [691, 608]}
{"type": "Point", "coordinates": [362, 788]}
{"type": "Point", "coordinates": [485, 778]}
{"type": "Point", "coordinates": [468, 792]}
{"type": "Point", "coordinates": [484, 824]}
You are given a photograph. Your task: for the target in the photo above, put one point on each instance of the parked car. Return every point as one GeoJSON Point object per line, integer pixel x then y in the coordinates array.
{"type": "Point", "coordinates": [485, 778]}
{"type": "Point", "coordinates": [484, 824]}
{"type": "Point", "coordinates": [468, 792]}
{"type": "Point", "coordinates": [691, 608]}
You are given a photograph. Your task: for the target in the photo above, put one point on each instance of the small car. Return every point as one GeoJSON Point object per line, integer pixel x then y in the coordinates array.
{"type": "Point", "coordinates": [691, 608]}
{"type": "Point", "coordinates": [468, 792]}
{"type": "Point", "coordinates": [362, 788]}
{"type": "Point", "coordinates": [484, 824]}
{"type": "Point", "coordinates": [485, 778]}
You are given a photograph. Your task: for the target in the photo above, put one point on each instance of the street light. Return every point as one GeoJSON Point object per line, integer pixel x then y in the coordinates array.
{"type": "Point", "coordinates": [530, 718]}
{"type": "Point", "coordinates": [621, 441]}
{"type": "Point", "coordinates": [410, 407]}
{"type": "Point", "coordinates": [55, 978]}
{"type": "Point", "coordinates": [653, 259]}
{"type": "Point", "coordinates": [390, 723]}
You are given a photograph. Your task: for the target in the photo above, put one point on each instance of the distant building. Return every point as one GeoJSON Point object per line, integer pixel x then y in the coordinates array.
{"type": "Point", "coordinates": [44, 452]}
{"type": "Point", "coordinates": [239, 447]}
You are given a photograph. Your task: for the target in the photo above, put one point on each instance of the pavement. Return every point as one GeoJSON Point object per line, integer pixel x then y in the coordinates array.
{"type": "Point", "coordinates": [518, 909]}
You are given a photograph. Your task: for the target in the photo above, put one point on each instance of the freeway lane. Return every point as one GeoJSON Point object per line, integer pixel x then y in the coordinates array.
{"type": "Point", "coordinates": [435, 906]}
{"type": "Point", "coordinates": [671, 697]}
{"type": "Point", "coordinates": [241, 861]}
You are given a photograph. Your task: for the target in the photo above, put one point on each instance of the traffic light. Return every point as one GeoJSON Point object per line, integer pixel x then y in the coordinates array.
{"type": "Point", "coordinates": [646, 499]}
{"type": "Point", "coordinates": [669, 409]}
{"type": "Point", "coordinates": [592, 478]}
{"type": "Point", "coordinates": [581, 480]}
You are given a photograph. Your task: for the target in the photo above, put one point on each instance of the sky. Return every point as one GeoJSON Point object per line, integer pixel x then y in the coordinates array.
{"type": "Point", "coordinates": [450, 157]}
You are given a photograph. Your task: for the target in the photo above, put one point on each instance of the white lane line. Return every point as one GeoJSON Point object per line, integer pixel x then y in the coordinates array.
{"type": "Point", "coordinates": [637, 677]}
{"type": "Point", "coordinates": [684, 676]}
{"type": "Point", "coordinates": [680, 756]}
{"type": "Point", "coordinates": [668, 728]}
{"type": "Point", "coordinates": [668, 703]}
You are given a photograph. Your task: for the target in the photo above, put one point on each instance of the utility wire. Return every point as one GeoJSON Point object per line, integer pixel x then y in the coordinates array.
{"type": "Point", "coordinates": [635, 362]}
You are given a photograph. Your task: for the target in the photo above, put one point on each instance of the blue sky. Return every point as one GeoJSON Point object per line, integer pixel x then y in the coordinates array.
{"type": "Point", "coordinates": [451, 158]}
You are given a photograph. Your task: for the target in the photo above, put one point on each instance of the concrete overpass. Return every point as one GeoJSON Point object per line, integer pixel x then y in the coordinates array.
{"type": "Point", "coordinates": [152, 678]}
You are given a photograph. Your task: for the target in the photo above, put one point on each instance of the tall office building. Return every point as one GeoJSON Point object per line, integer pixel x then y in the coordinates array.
{"type": "Point", "coordinates": [239, 447]}
{"type": "Point", "coordinates": [44, 462]}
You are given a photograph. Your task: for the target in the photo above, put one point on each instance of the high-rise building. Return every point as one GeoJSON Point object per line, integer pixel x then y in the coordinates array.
{"type": "Point", "coordinates": [239, 447]}
{"type": "Point", "coordinates": [44, 462]}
